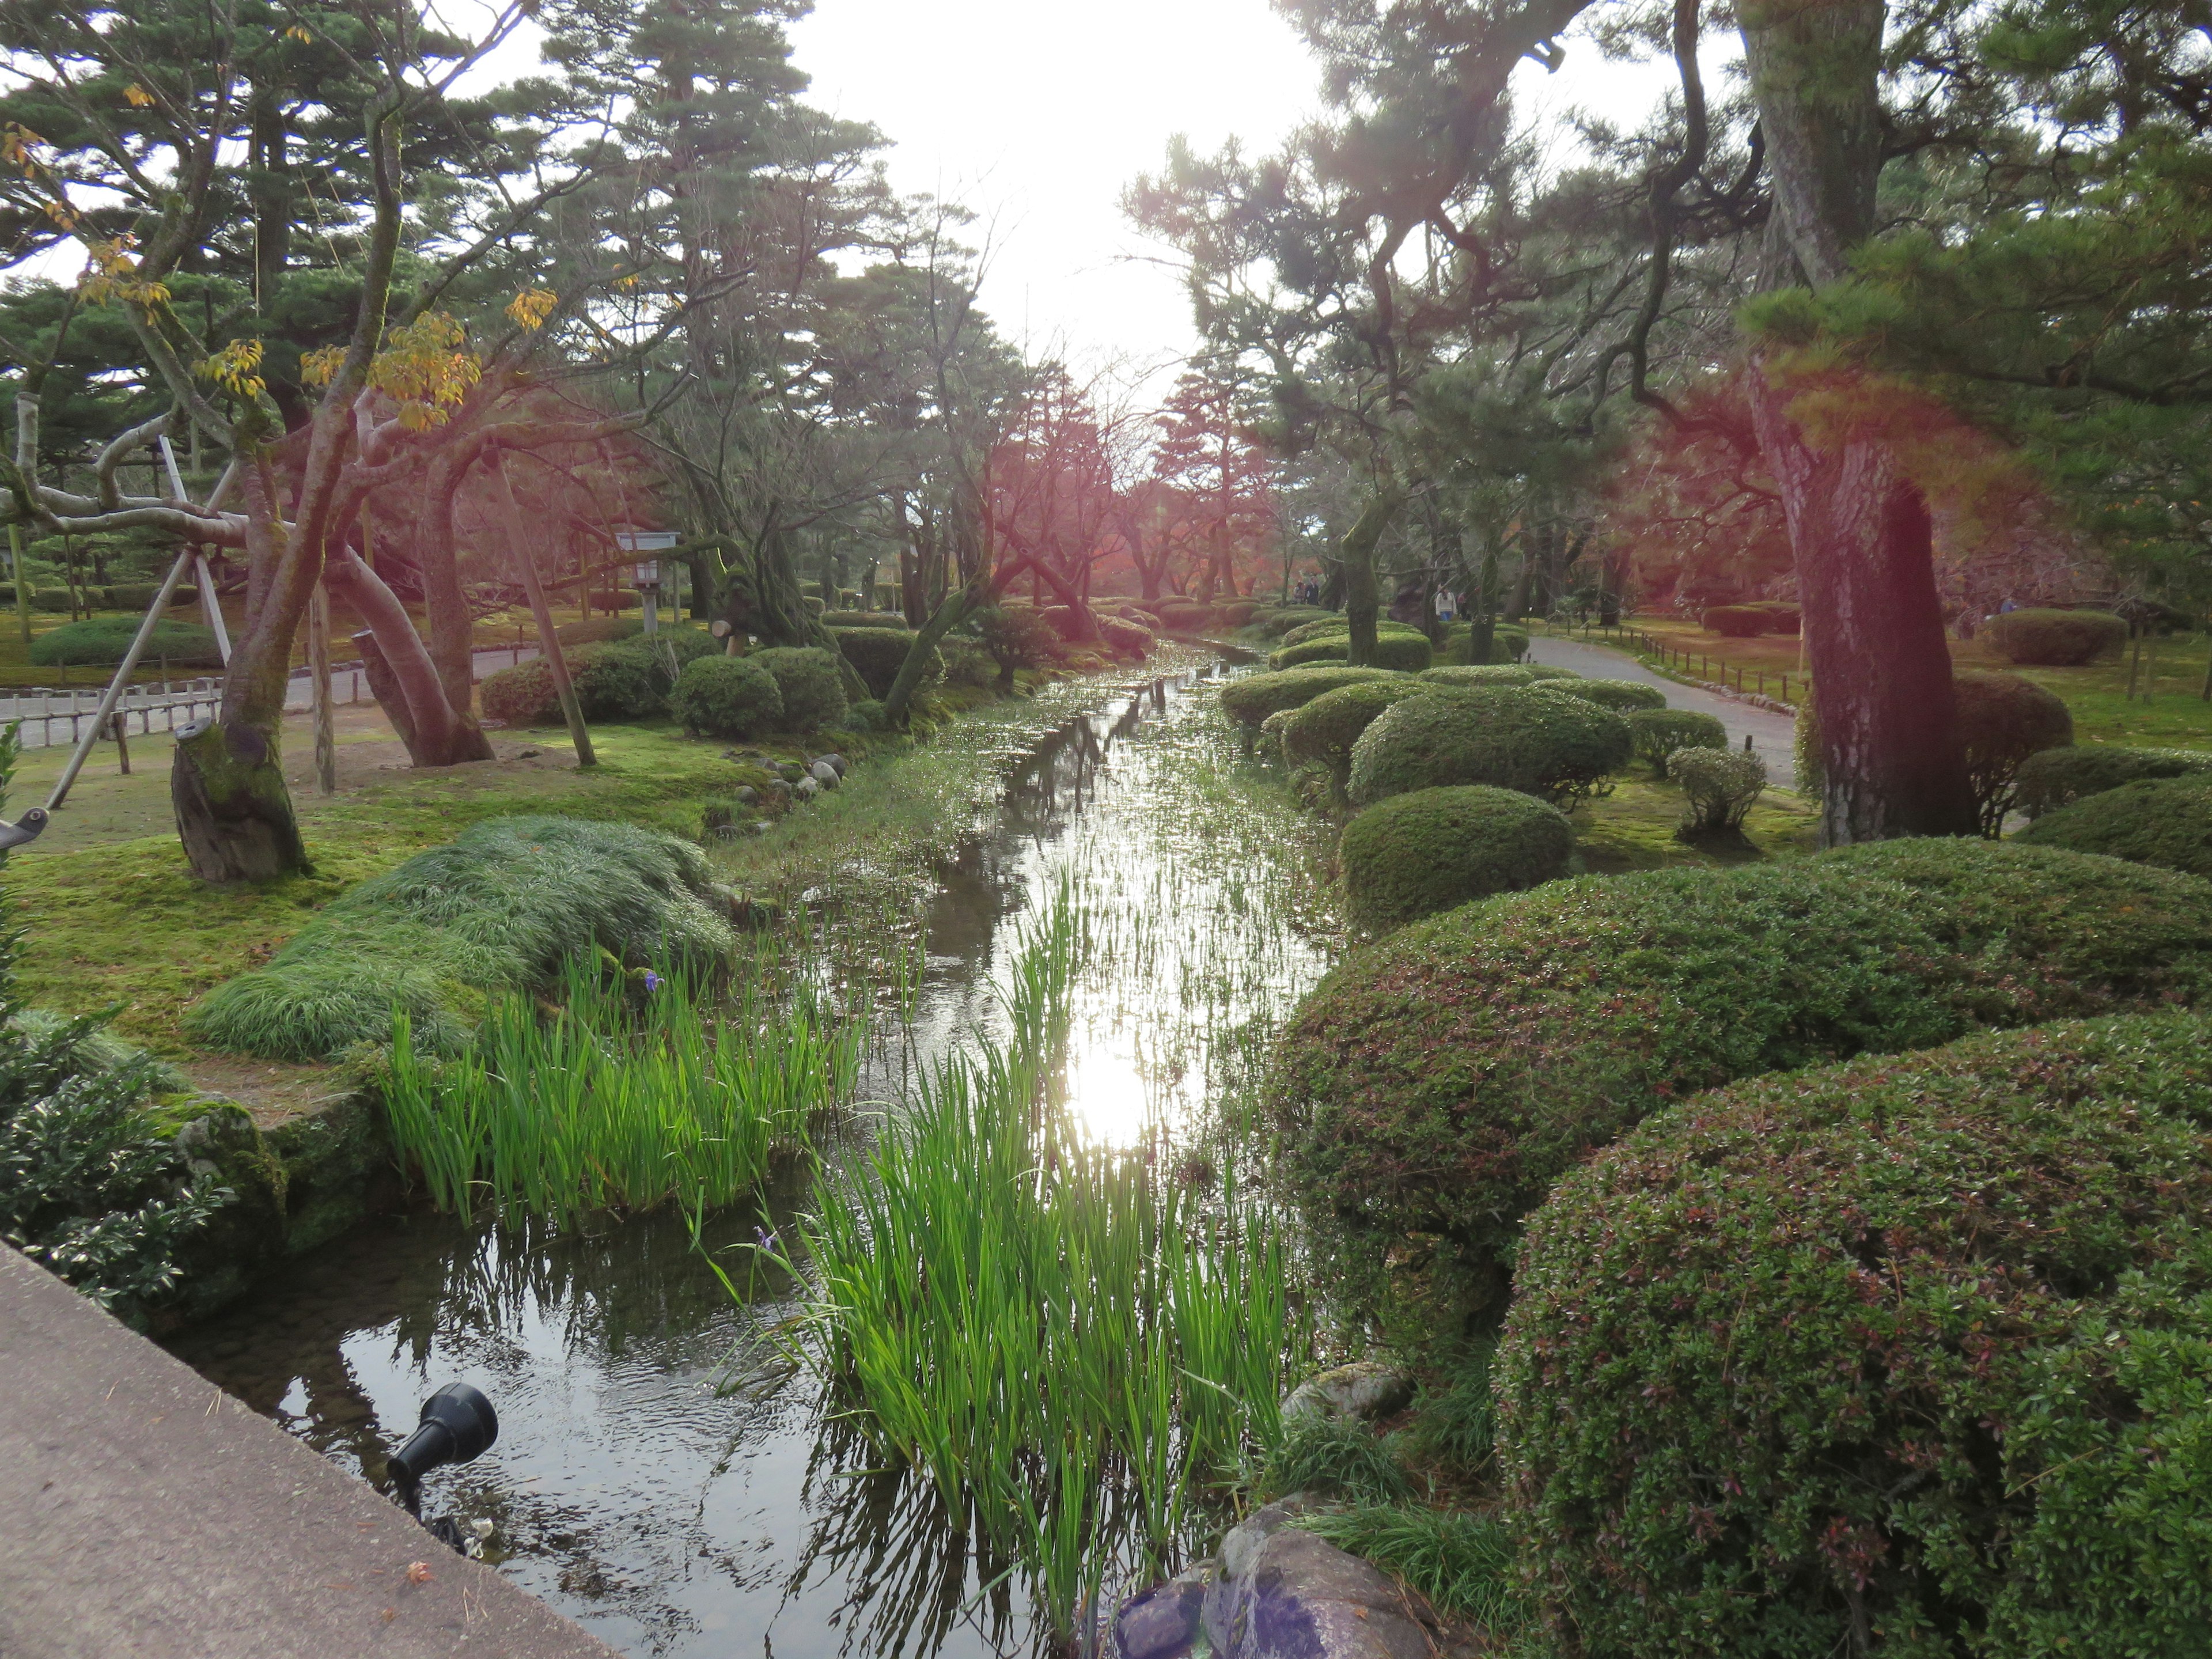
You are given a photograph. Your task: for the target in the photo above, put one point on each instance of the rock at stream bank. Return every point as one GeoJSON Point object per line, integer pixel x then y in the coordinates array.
{"type": "Point", "coordinates": [1366, 1388]}
{"type": "Point", "coordinates": [1278, 1592]}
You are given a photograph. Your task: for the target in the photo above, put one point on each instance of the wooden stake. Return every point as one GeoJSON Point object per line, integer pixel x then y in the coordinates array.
{"type": "Point", "coordinates": [120, 723]}
{"type": "Point", "coordinates": [548, 640]}
{"type": "Point", "coordinates": [318, 675]}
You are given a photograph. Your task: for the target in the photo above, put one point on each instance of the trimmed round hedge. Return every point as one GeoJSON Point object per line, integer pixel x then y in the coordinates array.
{"type": "Point", "coordinates": [1444, 1079]}
{"type": "Point", "coordinates": [1435, 849]}
{"type": "Point", "coordinates": [726, 697]}
{"type": "Point", "coordinates": [1322, 732]}
{"type": "Point", "coordinates": [2166, 822]}
{"type": "Point", "coordinates": [1408, 652]}
{"type": "Point", "coordinates": [1736, 622]}
{"type": "Point", "coordinates": [1334, 623]}
{"type": "Point", "coordinates": [1252, 699]}
{"type": "Point", "coordinates": [520, 696]}
{"type": "Point", "coordinates": [1904, 1355]}
{"type": "Point", "coordinates": [806, 678]}
{"type": "Point", "coordinates": [1496, 674]}
{"type": "Point", "coordinates": [1620, 695]}
{"type": "Point", "coordinates": [102, 640]}
{"type": "Point", "coordinates": [1544, 670]}
{"type": "Point", "coordinates": [878, 654]}
{"type": "Point", "coordinates": [597, 630]}
{"type": "Point", "coordinates": [863, 619]}
{"type": "Point", "coordinates": [1660, 734]}
{"type": "Point", "coordinates": [2004, 719]}
{"type": "Point", "coordinates": [2054, 638]}
{"type": "Point", "coordinates": [2059, 777]}
{"type": "Point", "coordinates": [1539, 741]}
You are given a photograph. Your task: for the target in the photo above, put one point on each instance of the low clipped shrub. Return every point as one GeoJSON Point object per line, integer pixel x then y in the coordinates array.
{"type": "Point", "coordinates": [1334, 623]}
{"type": "Point", "coordinates": [1435, 849]}
{"type": "Point", "coordinates": [1237, 613]}
{"type": "Point", "coordinates": [140, 596]}
{"type": "Point", "coordinates": [1272, 730]}
{"type": "Point", "coordinates": [1252, 699]}
{"type": "Point", "coordinates": [1910, 1346]}
{"type": "Point", "coordinates": [878, 654]}
{"type": "Point", "coordinates": [2059, 777]}
{"type": "Point", "coordinates": [1534, 739]}
{"type": "Point", "coordinates": [521, 696]}
{"type": "Point", "coordinates": [619, 681]}
{"type": "Point", "coordinates": [2166, 822]}
{"type": "Point", "coordinates": [2005, 719]}
{"type": "Point", "coordinates": [806, 677]}
{"type": "Point", "coordinates": [103, 640]}
{"type": "Point", "coordinates": [1408, 652]}
{"type": "Point", "coordinates": [726, 697]}
{"type": "Point", "coordinates": [1620, 695]}
{"type": "Point", "coordinates": [863, 619]}
{"type": "Point", "coordinates": [1479, 674]}
{"type": "Point", "coordinates": [1322, 732]}
{"type": "Point", "coordinates": [498, 908]}
{"type": "Point", "coordinates": [597, 630]}
{"type": "Point", "coordinates": [1544, 670]}
{"type": "Point", "coordinates": [1736, 622]}
{"type": "Point", "coordinates": [2054, 639]}
{"type": "Point", "coordinates": [1513, 640]}
{"type": "Point", "coordinates": [1442, 1080]}
{"type": "Point", "coordinates": [1659, 734]}
{"type": "Point", "coordinates": [1278, 621]}
{"type": "Point", "coordinates": [1719, 788]}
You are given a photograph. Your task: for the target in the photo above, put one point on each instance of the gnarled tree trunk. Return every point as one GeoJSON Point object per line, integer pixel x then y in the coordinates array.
{"type": "Point", "coordinates": [407, 684]}
{"type": "Point", "coordinates": [233, 813]}
{"type": "Point", "coordinates": [1361, 596]}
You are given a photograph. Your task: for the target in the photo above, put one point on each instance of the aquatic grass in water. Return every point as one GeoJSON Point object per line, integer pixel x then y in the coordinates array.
{"type": "Point", "coordinates": [605, 1105]}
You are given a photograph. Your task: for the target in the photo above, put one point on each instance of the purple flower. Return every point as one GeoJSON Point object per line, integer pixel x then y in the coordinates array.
{"type": "Point", "coordinates": [768, 1240]}
{"type": "Point", "coordinates": [652, 980]}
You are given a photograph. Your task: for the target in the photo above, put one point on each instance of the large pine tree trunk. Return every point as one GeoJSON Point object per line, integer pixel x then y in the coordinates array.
{"type": "Point", "coordinates": [1362, 597]}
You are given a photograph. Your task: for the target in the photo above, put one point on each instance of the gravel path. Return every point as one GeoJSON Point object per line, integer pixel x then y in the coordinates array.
{"type": "Point", "coordinates": [1770, 733]}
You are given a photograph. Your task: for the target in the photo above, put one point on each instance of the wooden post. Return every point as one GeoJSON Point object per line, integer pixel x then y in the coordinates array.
{"type": "Point", "coordinates": [318, 675]}
{"type": "Point", "coordinates": [548, 640]}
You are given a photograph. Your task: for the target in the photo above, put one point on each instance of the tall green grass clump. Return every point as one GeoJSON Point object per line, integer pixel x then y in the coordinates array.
{"type": "Point", "coordinates": [1034, 1321]}
{"type": "Point", "coordinates": [1461, 1563]}
{"type": "Point", "coordinates": [631, 1095]}
{"type": "Point", "coordinates": [497, 910]}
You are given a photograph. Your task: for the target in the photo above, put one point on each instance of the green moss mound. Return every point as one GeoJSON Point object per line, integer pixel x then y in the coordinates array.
{"type": "Point", "coordinates": [498, 909]}
{"type": "Point", "coordinates": [2059, 777]}
{"type": "Point", "coordinates": [1332, 625]}
{"type": "Point", "coordinates": [1322, 732]}
{"type": "Point", "coordinates": [1660, 734]}
{"type": "Point", "coordinates": [102, 640]}
{"type": "Point", "coordinates": [2054, 638]}
{"type": "Point", "coordinates": [1408, 653]}
{"type": "Point", "coordinates": [2166, 822]}
{"type": "Point", "coordinates": [1916, 1345]}
{"type": "Point", "coordinates": [726, 697]}
{"type": "Point", "coordinates": [1620, 695]}
{"type": "Point", "coordinates": [1435, 849]}
{"type": "Point", "coordinates": [1479, 674]}
{"type": "Point", "coordinates": [1252, 699]}
{"type": "Point", "coordinates": [1537, 740]}
{"type": "Point", "coordinates": [806, 678]}
{"type": "Point", "coordinates": [878, 654]}
{"type": "Point", "coordinates": [1441, 1081]}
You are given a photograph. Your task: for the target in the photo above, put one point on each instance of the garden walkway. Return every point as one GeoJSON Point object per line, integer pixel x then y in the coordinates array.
{"type": "Point", "coordinates": [1770, 733]}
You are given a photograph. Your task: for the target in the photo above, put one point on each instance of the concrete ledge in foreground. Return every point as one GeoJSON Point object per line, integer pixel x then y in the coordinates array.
{"type": "Point", "coordinates": [146, 1515]}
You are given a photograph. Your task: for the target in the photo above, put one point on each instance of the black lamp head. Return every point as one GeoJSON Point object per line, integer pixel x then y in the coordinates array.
{"type": "Point", "coordinates": [458, 1426]}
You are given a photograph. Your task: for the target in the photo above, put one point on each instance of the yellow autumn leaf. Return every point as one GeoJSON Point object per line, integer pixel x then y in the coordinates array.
{"type": "Point", "coordinates": [136, 96]}
{"type": "Point", "coordinates": [299, 34]}
{"type": "Point", "coordinates": [533, 306]}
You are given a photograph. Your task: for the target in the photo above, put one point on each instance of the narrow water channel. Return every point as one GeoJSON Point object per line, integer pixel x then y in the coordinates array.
{"type": "Point", "coordinates": [676, 1502]}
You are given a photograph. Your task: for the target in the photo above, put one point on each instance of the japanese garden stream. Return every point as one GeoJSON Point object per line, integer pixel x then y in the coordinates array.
{"type": "Point", "coordinates": [665, 1473]}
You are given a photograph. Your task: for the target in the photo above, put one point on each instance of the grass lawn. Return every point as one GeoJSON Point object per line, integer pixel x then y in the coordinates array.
{"type": "Point", "coordinates": [2172, 715]}
{"type": "Point", "coordinates": [1633, 829]}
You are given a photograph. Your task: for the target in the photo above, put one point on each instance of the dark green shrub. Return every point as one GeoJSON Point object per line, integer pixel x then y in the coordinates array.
{"type": "Point", "coordinates": [806, 676]}
{"type": "Point", "coordinates": [1719, 788]}
{"type": "Point", "coordinates": [1736, 622]}
{"type": "Point", "coordinates": [1479, 674]}
{"type": "Point", "coordinates": [1272, 729]}
{"type": "Point", "coordinates": [2004, 719]}
{"type": "Point", "coordinates": [1252, 699]}
{"type": "Point", "coordinates": [1620, 695]}
{"type": "Point", "coordinates": [598, 631]}
{"type": "Point", "coordinates": [1016, 637]}
{"type": "Point", "coordinates": [1408, 652]}
{"type": "Point", "coordinates": [726, 697]}
{"type": "Point", "coordinates": [1539, 741]}
{"type": "Point", "coordinates": [1513, 640]}
{"type": "Point", "coordinates": [2054, 638]}
{"type": "Point", "coordinates": [1435, 849]}
{"type": "Point", "coordinates": [103, 640]}
{"type": "Point", "coordinates": [1330, 623]}
{"type": "Point", "coordinates": [520, 696]}
{"type": "Point", "coordinates": [619, 681]}
{"type": "Point", "coordinates": [2059, 777]}
{"type": "Point", "coordinates": [1440, 1081]}
{"type": "Point", "coordinates": [137, 596]}
{"type": "Point", "coordinates": [1910, 1346]}
{"type": "Point", "coordinates": [498, 908]}
{"type": "Point", "coordinates": [1278, 622]}
{"type": "Point", "coordinates": [863, 619]}
{"type": "Point", "coordinates": [50, 600]}
{"type": "Point", "coordinates": [2166, 822]}
{"type": "Point", "coordinates": [1322, 732]}
{"type": "Point", "coordinates": [966, 662]}
{"type": "Point", "coordinates": [1660, 733]}
{"type": "Point", "coordinates": [878, 654]}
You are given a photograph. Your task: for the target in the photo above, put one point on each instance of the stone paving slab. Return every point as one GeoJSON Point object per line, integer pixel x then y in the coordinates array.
{"type": "Point", "coordinates": [146, 1515]}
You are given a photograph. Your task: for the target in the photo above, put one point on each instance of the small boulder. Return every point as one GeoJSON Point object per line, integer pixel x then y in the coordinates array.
{"type": "Point", "coordinates": [747, 795]}
{"type": "Point", "coordinates": [806, 789]}
{"type": "Point", "coordinates": [826, 775]}
{"type": "Point", "coordinates": [837, 761]}
{"type": "Point", "coordinates": [1366, 1388]}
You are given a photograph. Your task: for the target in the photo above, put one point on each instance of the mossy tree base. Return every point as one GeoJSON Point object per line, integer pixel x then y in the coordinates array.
{"type": "Point", "coordinates": [233, 812]}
